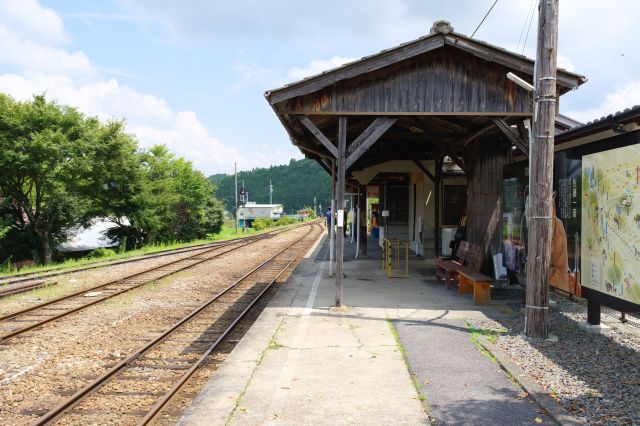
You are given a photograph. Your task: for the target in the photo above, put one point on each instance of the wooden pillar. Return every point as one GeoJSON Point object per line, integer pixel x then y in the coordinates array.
{"type": "Point", "coordinates": [342, 145]}
{"type": "Point", "coordinates": [438, 185]}
{"type": "Point", "coordinates": [541, 174]}
{"type": "Point", "coordinates": [363, 220]}
{"type": "Point", "coordinates": [332, 222]}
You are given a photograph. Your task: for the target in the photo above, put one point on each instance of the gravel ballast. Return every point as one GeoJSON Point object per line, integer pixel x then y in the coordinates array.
{"type": "Point", "coordinates": [596, 377]}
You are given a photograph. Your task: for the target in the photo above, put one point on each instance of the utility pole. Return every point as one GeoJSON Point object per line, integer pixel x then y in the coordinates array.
{"type": "Point", "coordinates": [315, 211]}
{"type": "Point", "coordinates": [235, 175]}
{"type": "Point", "coordinates": [541, 173]}
{"type": "Point", "coordinates": [270, 192]}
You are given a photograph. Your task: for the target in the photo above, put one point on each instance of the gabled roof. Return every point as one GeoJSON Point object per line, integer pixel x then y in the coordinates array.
{"type": "Point", "coordinates": [441, 34]}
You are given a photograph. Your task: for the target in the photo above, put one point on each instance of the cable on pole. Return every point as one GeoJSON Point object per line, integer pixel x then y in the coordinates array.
{"type": "Point", "coordinates": [524, 44]}
{"type": "Point", "coordinates": [524, 24]}
{"type": "Point", "coordinates": [485, 17]}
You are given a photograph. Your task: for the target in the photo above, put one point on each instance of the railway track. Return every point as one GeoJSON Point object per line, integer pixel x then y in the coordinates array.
{"type": "Point", "coordinates": [143, 383]}
{"type": "Point", "coordinates": [17, 289]}
{"type": "Point", "coordinates": [22, 321]}
{"type": "Point", "coordinates": [9, 280]}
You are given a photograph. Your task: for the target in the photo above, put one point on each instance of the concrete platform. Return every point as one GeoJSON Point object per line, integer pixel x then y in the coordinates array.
{"type": "Point", "coordinates": [306, 363]}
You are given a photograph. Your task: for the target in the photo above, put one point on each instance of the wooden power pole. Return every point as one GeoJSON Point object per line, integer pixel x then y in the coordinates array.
{"type": "Point", "coordinates": [541, 173]}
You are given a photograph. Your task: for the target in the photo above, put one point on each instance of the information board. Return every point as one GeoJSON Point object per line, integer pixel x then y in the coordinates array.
{"type": "Point", "coordinates": [610, 231]}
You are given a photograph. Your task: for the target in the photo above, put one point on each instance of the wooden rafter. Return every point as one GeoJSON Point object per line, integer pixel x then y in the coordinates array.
{"type": "Point", "coordinates": [446, 149]}
{"type": "Point", "coordinates": [325, 166]}
{"type": "Point", "coordinates": [478, 133]}
{"type": "Point", "coordinates": [306, 122]}
{"type": "Point", "coordinates": [425, 170]}
{"type": "Point", "coordinates": [512, 135]}
{"type": "Point", "coordinates": [313, 151]}
{"type": "Point", "coordinates": [367, 138]}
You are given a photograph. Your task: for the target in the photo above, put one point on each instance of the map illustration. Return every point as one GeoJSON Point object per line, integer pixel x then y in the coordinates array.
{"type": "Point", "coordinates": [611, 222]}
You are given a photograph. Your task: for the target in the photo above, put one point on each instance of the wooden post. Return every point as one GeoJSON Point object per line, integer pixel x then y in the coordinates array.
{"type": "Point", "coordinates": [332, 221]}
{"type": "Point", "coordinates": [342, 145]}
{"type": "Point", "coordinates": [363, 220]}
{"type": "Point", "coordinates": [541, 173]}
{"type": "Point", "coordinates": [438, 185]}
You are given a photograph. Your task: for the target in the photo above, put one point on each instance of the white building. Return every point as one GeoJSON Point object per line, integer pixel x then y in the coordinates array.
{"type": "Point", "coordinates": [252, 211]}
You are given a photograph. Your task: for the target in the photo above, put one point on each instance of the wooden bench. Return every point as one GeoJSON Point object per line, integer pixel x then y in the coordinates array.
{"type": "Point", "coordinates": [477, 284]}
{"type": "Point", "coordinates": [468, 256]}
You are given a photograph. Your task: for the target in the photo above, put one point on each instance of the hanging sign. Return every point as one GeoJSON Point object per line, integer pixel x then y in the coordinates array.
{"type": "Point", "coordinates": [340, 218]}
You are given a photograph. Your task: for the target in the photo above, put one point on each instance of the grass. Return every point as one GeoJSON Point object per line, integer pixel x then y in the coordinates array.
{"type": "Point", "coordinates": [414, 380]}
{"type": "Point", "coordinates": [227, 232]}
{"type": "Point", "coordinates": [491, 336]}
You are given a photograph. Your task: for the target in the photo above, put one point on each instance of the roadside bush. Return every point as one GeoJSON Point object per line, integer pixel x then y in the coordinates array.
{"type": "Point", "coordinates": [286, 221]}
{"type": "Point", "coordinates": [261, 224]}
{"type": "Point", "coordinates": [101, 252]}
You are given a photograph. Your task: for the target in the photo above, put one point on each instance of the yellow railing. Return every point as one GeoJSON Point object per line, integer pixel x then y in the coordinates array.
{"type": "Point", "coordinates": [391, 263]}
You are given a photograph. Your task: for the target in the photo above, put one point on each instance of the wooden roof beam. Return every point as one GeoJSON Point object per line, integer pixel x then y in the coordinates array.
{"type": "Point", "coordinates": [367, 138]}
{"type": "Point", "coordinates": [478, 133]}
{"type": "Point", "coordinates": [313, 151]}
{"type": "Point", "coordinates": [512, 135]}
{"type": "Point", "coordinates": [446, 150]}
{"type": "Point", "coordinates": [306, 122]}
{"type": "Point", "coordinates": [425, 170]}
{"type": "Point", "coordinates": [324, 165]}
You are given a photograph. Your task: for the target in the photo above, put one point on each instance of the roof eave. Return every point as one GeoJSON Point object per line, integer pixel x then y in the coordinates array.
{"type": "Point", "coordinates": [566, 80]}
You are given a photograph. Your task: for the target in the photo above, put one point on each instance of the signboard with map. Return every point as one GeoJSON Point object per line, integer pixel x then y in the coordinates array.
{"type": "Point", "coordinates": [610, 232]}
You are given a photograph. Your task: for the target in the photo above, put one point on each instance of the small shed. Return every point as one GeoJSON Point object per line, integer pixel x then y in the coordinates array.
{"type": "Point", "coordinates": [251, 211]}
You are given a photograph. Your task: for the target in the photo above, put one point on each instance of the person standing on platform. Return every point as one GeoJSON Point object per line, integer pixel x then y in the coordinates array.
{"type": "Point", "coordinates": [328, 216]}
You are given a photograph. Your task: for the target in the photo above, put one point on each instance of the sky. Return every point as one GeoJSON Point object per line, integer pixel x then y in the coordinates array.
{"type": "Point", "coordinates": [191, 74]}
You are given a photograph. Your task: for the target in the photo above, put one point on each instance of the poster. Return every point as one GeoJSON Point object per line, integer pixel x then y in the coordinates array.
{"type": "Point", "coordinates": [513, 223]}
{"type": "Point", "coordinates": [565, 244]}
{"type": "Point", "coordinates": [611, 222]}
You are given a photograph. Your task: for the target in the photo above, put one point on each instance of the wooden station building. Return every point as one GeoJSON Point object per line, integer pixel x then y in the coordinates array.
{"type": "Point", "coordinates": [432, 122]}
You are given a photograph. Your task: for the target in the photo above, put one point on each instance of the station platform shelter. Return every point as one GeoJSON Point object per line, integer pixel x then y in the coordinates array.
{"type": "Point", "coordinates": [429, 124]}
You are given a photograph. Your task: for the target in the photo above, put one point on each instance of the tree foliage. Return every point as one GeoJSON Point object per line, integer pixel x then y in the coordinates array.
{"type": "Point", "coordinates": [294, 185]}
{"type": "Point", "coordinates": [59, 170]}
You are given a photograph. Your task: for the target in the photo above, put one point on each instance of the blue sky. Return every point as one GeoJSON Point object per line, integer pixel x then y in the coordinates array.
{"type": "Point", "coordinates": [192, 74]}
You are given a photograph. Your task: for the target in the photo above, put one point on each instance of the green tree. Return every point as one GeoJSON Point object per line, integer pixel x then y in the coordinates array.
{"type": "Point", "coordinates": [197, 212]}
{"type": "Point", "coordinates": [171, 202]}
{"type": "Point", "coordinates": [295, 185]}
{"type": "Point", "coordinates": [59, 170]}
{"type": "Point", "coordinates": [43, 153]}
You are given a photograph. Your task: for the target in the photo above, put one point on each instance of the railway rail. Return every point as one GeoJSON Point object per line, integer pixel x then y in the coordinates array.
{"type": "Point", "coordinates": [22, 321]}
{"type": "Point", "coordinates": [143, 383]}
{"type": "Point", "coordinates": [17, 289]}
{"type": "Point", "coordinates": [8, 280]}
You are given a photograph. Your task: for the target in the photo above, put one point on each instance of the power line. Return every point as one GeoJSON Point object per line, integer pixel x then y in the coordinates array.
{"type": "Point", "coordinates": [622, 98]}
{"type": "Point", "coordinates": [485, 17]}
{"type": "Point", "coordinates": [524, 24]}
{"type": "Point", "coordinates": [528, 29]}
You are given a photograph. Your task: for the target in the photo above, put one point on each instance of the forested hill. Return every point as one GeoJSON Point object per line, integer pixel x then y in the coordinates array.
{"type": "Point", "coordinates": [294, 185]}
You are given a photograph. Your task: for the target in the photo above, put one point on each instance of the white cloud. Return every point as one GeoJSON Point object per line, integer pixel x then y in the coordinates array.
{"type": "Point", "coordinates": [318, 66]}
{"type": "Point", "coordinates": [28, 19]}
{"type": "Point", "coordinates": [621, 98]}
{"type": "Point", "coordinates": [71, 79]}
{"type": "Point", "coordinates": [271, 78]}
{"type": "Point", "coordinates": [23, 53]}
{"type": "Point", "coordinates": [565, 62]}
{"type": "Point", "coordinates": [148, 117]}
